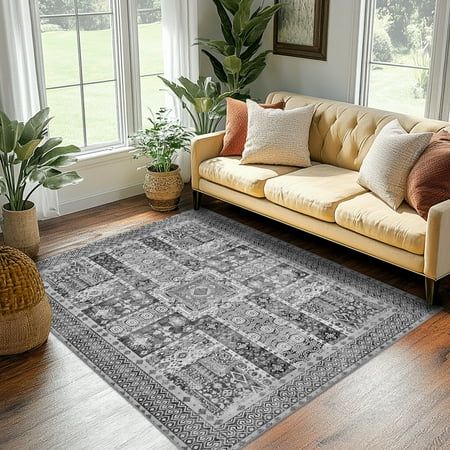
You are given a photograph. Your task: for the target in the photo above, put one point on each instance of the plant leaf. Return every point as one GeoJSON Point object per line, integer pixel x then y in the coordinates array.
{"type": "Point", "coordinates": [220, 46]}
{"type": "Point", "coordinates": [3, 188]}
{"type": "Point", "coordinates": [59, 181]}
{"type": "Point", "coordinates": [258, 61]}
{"type": "Point", "coordinates": [256, 26]}
{"type": "Point", "coordinates": [203, 104]}
{"type": "Point", "coordinates": [10, 135]}
{"type": "Point", "coordinates": [44, 148]}
{"type": "Point", "coordinates": [217, 67]}
{"type": "Point", "coordinates": [34, 127]}
{"type": "Point", "coordinates": [227, 27]}
{"type": "Point", "coordinates": [193, 90]}
{"type": "Point", "coordinates": [179, 91]}
{"type": "Point", "coordinates": [251, 50]}
{"type": "Point", "coordinates": [25, 152]}
{"type": "Point", "coordinates": [252, 75]}
{"type": "Point", "coordinates": [54, 153]}
{"type": "Point", "coordinates": [232, 64]}
{"type": "Point", "coordinates": [4, 131]}
{"type": "Point", "coordinates": [242, 16]}
{"type": "Point", "coordinates": [62, 161]}
{"type": "Point", "coordinates": [38, 175]}
{"type": "Point", "coordinates": [231, 5]}
{"type": "Point", "coordinates": [219, 110]}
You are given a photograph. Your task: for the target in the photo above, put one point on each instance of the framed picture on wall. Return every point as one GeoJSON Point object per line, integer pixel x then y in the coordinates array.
{"type": "Point", "coordinates": [301, 29]}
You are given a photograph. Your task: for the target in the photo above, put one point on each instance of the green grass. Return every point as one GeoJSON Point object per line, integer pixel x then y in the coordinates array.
{"type": "Point", "coordinates": [392, 89]}
{"type": "Point", "coordinates": [61, 68]}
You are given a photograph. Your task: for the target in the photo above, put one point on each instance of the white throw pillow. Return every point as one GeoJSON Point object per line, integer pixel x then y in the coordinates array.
{"type": "Point", "coordinates": [278, 137]}
{"type": "Point", "coordinates": [386, 167]}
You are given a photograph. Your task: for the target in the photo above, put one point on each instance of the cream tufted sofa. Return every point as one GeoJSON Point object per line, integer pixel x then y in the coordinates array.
{"type": "Point", "coordinates": [325, 199]}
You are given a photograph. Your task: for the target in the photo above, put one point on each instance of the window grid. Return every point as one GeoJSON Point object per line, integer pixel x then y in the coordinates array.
{"type": "Point", "coordinates": [81, 84]}
{"type": "Point", "coordinates": [437, 84]}
{"type": "Point", "coordinates": [127, 74]}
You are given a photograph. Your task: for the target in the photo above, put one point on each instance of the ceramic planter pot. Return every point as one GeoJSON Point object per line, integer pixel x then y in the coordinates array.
{"type": "Point", "coordinates": [163, 189]}
{"type": "Point", "coordinates": [21, 230]}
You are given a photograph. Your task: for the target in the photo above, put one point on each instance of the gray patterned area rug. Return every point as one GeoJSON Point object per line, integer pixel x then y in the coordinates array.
{"type": "Point", "coordinates": [216, 331]}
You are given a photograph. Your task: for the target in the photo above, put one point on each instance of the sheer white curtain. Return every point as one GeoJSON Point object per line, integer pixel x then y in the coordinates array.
{"type": "Point", "coordinates": [19, 97]}
{"type": "Point", "coordinates": [181, 57]}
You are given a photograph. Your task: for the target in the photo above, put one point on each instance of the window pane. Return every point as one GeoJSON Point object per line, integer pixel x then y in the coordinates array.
{"type": "Point", "coordinates": [48, 7]}
{"type": "Point", "coordinates": [398, 89]}
{"type": "Point", "coordinates": [59, 45]}
{"type": "Point", "coordinates": [88, 113]}
{"type": "Point", "coordinates": [152, 95]}
{"type": "Point", "coordinates": [87, 6]}
{"type": "Point", "coordinates": [97, 48]}
{"type": "Point", "coordinates": [403, 31]}
{"type": "Point", "coordinates": [65, 107]}
{"type": "Point", "coordinates": [150, 45]}
{"type": "Point", "coordinates": [101, 113]}
{"type": "Point", "coordinates": [149, 4]}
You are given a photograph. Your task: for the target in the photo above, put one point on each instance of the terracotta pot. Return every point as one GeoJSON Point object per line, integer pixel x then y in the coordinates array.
{"type": "Point", "coordinates": [163, 189]}
{"type": "Point", "coordinates": [21, 230]}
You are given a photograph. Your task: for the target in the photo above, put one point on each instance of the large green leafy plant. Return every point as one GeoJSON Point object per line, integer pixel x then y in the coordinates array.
{"type": "Point", "coordinates": [204, 101]}
{"type": "Point", "coordinates": [160, 141]}
{"type": "Point", "coordinates": [27, 157]}
{"type": "Point", "coordinates": [238, 62]}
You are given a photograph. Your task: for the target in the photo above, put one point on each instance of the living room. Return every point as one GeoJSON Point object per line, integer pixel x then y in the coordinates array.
{"type": "Point", "coordinates": [225, 224]}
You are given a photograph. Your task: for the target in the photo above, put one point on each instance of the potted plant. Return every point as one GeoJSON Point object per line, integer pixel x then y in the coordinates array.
{"type": "Point", "coordinates": [29, 160]}
{"type": "Point", "coordinates": [160, 142]}
{"type": "Point", "coordinates": [239, 63]}
{"type": "Point", "coordinates": [203, 101]}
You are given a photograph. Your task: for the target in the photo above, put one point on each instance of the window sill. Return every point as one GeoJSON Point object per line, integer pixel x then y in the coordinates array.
{"type": "Point", "coordinates": [101, 157]}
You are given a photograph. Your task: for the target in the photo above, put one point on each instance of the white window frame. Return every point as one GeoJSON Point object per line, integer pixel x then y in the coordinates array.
{"type": "Point", "coordinates": [127, 67]}
{"type": "Point", "coordinates": [438, 94]}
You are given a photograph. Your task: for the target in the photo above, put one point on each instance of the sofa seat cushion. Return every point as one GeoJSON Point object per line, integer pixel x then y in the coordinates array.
{"type": "Point", "coordinates": [371, 217]}
{"type": "Point", "coordinates": [315, 191]}
{"type": "Point", "coordinates": [249, 179]}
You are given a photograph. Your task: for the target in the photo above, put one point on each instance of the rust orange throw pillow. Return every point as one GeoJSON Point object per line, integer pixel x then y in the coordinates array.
{"type": "Point", "coordinates": [429, 180]}
{"type": "Point", "coordinates": [236, 126]}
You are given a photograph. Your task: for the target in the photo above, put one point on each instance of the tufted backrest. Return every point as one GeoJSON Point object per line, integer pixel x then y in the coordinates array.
{"type": "Point", "coordinates": [341, 134]}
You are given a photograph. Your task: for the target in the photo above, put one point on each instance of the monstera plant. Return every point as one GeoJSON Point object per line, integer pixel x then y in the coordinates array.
{"type": "Point", "coordinates": [204, 101]}
{"type": "Point", "coordinates": [29, 160]}
{"type": "Point", "coordinates": [235, 59]}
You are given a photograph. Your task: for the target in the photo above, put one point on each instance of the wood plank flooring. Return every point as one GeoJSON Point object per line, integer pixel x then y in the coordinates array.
{"type": "Point", "coordinates": [49, 399]}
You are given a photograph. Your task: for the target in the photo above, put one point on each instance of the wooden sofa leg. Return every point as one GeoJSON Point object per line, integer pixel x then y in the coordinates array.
{"type": "Point", "coordinates": [197, 198]}
{"type": "Point", "coordinates": [431, 290]}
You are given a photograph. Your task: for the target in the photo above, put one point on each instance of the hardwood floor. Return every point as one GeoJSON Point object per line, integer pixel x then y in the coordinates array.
{"type": "Point", "coordinates": [49, 399]}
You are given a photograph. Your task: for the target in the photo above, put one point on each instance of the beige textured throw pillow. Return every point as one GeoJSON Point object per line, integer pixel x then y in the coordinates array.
{"type": "Point", "coordinates": [278, 137]}
{"type": "Point", "coordinates": [386, 167]}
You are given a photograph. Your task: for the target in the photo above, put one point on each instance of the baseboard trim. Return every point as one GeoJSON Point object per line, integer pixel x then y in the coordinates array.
{"type": "Point", "coordinates": [99, 199]}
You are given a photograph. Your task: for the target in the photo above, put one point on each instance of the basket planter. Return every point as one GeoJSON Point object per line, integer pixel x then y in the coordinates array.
{"type": "Point", "coordinates": [163, 189]}
{"type": "Point", "coordinates": [21, 230]}
{"type": "Point", "coordinates": [25, 312]}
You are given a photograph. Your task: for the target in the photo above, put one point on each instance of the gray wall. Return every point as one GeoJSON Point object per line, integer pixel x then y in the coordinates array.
{"type": "Point", "coordinates": [333, 79]}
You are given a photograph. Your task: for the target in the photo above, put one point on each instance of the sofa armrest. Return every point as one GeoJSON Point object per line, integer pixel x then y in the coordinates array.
{"type": "Point", "coordinates": [204, 147]}
{"type": "Point", "coordinates": [437, 244]}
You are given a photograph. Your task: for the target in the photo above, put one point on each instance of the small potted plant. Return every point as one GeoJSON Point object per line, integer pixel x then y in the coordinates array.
{"type": "Point", "coordinates": [29, 160]}
{"type": "Point", "coordinates": [160, 142]}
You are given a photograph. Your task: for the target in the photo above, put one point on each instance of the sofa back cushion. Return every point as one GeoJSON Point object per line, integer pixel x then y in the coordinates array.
{"type": "Point", "coordinates": [341, 134]}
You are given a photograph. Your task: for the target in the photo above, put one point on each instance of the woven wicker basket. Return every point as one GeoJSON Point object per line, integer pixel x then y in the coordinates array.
{"type": "Point", "coordinates": [163, 189]}
{"type": "Point", "coordinates": [25, 313]}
